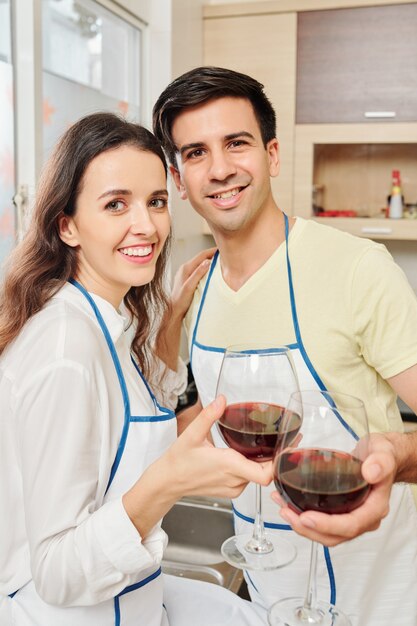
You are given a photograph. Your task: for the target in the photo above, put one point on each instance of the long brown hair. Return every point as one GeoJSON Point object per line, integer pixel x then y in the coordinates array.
{"type": "Point", "coordinates": [41, 264]}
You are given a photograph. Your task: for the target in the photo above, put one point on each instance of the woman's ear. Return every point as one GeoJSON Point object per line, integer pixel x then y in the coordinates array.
{"type": "Point", "coordinates": [67, 230]}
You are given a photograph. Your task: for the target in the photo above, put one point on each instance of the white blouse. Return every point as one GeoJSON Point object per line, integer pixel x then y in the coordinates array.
{"type": "Point", "coordinates": [61, 417]}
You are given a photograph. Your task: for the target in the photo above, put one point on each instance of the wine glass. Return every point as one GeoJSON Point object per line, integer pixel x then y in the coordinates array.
{"type": "Point", "coordinates": [257, 382]}
{"type": "Point", "coordinates": [320, 470]}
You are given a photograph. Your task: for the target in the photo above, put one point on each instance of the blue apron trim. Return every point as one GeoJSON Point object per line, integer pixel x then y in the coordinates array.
{"type": "Point", "coordinates": [331, 575]}
{"type": "Point", "coordinates": [290, 346]}
{"type": "Point", "coordinates": [153, 418]}
{"type": "Point", "coordinates": [251, 520]}
{"type": "Point", "coordinates": [120, 376]}
{"type": "Point", "coordinates": [248, 578]}
{"type": "Point", "coordinates": [11, 595]}
{"type": "Point", "coordinates": [213, 265]}
{"type": "Point", "coordinates": [301, 347]}
{"type": "Point", "coordinates": [169, 414]}
{"type": "Point", "coordinates": [208, 348]}
{"type": "Point", "coordinates": [137, 368]}
{"type": "Point", "coordinates": [141, 583]}
{"type": "Point", "coordinates": [263, 351]}
{"type": "Point", "coordinates": [116, 611]}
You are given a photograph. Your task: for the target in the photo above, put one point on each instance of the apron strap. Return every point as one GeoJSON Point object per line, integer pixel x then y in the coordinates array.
{"type": "Point", "coordinates": [168, 413]}
{"type": "Point", "coordinates": [120, 376]}
{"type": "Point", "coordinates": [200, 308]}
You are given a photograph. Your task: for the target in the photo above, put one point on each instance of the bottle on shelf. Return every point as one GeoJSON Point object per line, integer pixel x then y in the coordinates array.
{"type": "Point", "coordinates": [395, 206]}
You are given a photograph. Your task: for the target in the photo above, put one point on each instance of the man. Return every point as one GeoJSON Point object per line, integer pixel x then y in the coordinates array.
{"type": "Point", "coordinates": [342, 306]}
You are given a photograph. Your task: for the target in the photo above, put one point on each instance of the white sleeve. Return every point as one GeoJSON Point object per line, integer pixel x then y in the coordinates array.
{"type": "Point", "coordinates": [82, 552]}
{"type": "Point", "coordinates": [166, 384]}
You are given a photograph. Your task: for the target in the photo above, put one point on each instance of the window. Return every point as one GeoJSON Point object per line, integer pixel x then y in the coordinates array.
{"type": "Point", "coordinates": [91, 62]}
{"type": "Point", "coordinates": [7, 169]}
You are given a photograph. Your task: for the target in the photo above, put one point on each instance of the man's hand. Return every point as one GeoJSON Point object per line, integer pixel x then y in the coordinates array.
{"type": "Point", "coordinates": [188, 276]}
{"type": "Point", "coordinates": [186, 280]}
{"type": "Point", "coordinates": [379, 470]}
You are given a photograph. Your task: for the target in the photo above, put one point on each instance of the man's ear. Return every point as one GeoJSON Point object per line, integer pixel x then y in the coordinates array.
{"type": "Point", "coordinates": [272, 149]}
{"type": "Point", "coordinates": [176, 176]}
{"type": "Point", "coordinates": [67, 230]}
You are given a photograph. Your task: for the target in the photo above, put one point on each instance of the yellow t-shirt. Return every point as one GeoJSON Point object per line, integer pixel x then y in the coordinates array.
{"type": "Point", "coordinates": [357, 313]}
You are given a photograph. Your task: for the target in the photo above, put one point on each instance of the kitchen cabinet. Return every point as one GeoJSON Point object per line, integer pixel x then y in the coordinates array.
{"type": "Point", "coordinates": [357, 65]}
{"type": "Point", "coordinates": [355, 175]}
{"type": "Point", "coordinates": [321, 98]}
{"type": "Point", "coordinates": [249, 44]}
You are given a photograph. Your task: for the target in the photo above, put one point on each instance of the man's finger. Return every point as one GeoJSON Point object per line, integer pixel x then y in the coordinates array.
{"type": "Point", "coordinates": [204, 255]}
{"type": "Point", "coordinates": [192, 281]}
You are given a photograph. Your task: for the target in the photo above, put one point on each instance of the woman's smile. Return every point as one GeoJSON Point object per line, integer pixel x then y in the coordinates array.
{"type": "Point", "coordinates": [121, 222]}
{"type": "Point", "coordinates": [138, 253]}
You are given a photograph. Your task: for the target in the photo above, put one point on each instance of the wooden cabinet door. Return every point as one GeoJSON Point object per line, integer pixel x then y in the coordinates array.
{"type": "Point", "coordinates": [357, 65]}
{"type": "Point", "coordinates": [263, 46]}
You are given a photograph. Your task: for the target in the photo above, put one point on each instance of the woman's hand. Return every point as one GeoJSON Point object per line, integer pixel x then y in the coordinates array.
{"type": "Point", "coordinates": [188, 415]}
{"type": "Point", "coordinates": [201, 469]}
{"type": "Point", "coordinates": [379, 470]}
{"type": "Point", "coordinates": [191, 466]}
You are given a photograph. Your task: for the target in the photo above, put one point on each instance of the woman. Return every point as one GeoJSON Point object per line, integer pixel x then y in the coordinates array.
{"type": "Point", "coordinates": [89, 460]}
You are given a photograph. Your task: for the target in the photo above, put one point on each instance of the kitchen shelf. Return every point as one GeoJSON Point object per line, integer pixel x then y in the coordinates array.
{"type": "Point", "coordinates": [351, 164]}
{"type": "Point", "coordinates": [373, 228]}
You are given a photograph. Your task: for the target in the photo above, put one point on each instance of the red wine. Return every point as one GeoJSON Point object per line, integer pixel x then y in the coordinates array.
{"type": "Point", "coordinates": [251, 428]}
{"type": "Point", "coordinates": [320, 480]}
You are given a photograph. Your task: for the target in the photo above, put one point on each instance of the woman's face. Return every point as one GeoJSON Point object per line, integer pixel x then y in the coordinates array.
{"type": "Point", "coordinates": [121, 221]}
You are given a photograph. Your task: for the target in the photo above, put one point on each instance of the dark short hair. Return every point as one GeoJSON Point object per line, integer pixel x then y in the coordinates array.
{"type": "Point", "coordinates": [203, 84]}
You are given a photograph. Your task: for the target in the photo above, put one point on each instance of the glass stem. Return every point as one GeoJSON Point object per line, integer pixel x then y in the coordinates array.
{"type": "Point", "coordinates": [310, 598]}
{"type": "Point", "coordinates": [258, 543]}
{"type": "Point", "coordinates": [258, 527]}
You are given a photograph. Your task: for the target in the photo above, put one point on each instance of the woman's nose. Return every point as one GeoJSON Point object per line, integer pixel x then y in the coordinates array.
{"type": "Point", "coordinates": [141, 222]}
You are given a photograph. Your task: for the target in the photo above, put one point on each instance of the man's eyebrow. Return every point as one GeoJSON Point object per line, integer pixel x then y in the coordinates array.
{"type": "Point", "coordinates": [115, 192]}
{"type": "Point", "coordinates": [242, 133]}
{"type": "Point", "coordinates": [189, 146]}
{"type": "Point", "coordinates": [199, 144]}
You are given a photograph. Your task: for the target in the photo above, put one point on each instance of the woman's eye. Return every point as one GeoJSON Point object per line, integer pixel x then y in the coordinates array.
{"type": "Point", "coordinates": [158, 203]}
{"type": "Point", "coordinates": [115, 205]}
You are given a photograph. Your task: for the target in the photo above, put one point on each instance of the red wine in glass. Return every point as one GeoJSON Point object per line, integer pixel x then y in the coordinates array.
{"type": "Point", "coordinates": [320, 470]}
{"type": "Point", "coordinates": [257, 381]}
{"type": "Point", "coordinates": [252, 428]}
{"type": "Point", "coordinates": [318, 479]}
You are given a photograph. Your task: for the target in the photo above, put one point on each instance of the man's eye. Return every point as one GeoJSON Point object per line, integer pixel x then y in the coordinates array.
{"type": "Point", "coordinates": [195, 154]}
{"type": "Point", "coordinates": [115, 205]}
{"type": "Point", "coordinates": [238, 143]}
{"type": "Point", "coordinates": [158, 203]}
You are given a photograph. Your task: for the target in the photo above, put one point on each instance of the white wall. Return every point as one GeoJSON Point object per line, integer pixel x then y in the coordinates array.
{"type": "Point", "coordinates": [405, 254]}
{"type": "Point", "coordinates": [187, 52]}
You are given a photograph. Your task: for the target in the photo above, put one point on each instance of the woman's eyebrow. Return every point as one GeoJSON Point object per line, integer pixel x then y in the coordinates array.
{"type": "Point", "coordinates": [115, 192]}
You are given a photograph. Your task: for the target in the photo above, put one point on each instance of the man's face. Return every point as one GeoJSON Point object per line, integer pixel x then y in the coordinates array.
{"type": "Point", "coordinates": [223, 167]}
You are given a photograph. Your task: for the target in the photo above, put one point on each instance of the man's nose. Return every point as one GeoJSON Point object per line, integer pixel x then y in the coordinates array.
{"type": "Point", "coordinates": [221, 165]}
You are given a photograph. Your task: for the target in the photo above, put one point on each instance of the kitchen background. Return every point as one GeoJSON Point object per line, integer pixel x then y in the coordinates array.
{"type": "Point", "coordinates": [342, 76]}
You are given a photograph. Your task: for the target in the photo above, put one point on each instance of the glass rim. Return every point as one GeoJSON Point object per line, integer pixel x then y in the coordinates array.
{"type": "Point", "coordinates": [329, 394]}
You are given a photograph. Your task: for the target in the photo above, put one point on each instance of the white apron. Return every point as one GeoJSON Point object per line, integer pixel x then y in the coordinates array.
{"type": "Point", "coordinates": [372, 578]}
{"type": "Point", "coordinates": [143, 439]}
